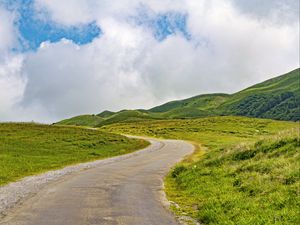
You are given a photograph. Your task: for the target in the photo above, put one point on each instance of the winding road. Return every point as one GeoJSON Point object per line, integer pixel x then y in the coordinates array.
{"type": "Point", "coordinates": [121, 192]}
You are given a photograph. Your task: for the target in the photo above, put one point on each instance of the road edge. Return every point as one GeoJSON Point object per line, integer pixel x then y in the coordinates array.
{"type": "Point", "coordinates": [14, 193]}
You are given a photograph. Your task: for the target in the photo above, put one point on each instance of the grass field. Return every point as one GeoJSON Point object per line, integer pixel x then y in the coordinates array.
{"type": "Point", "coordinates": [27, 148]}
{"type": "Point", "coordinates": [249, 173]}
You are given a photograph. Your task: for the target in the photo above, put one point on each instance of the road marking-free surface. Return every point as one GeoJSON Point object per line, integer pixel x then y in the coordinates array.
{"type": "Point", "coordinates": [123, 192]}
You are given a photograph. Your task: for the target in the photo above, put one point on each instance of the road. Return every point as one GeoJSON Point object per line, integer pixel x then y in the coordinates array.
{"type": "Point", "coordinates": [126, 192]}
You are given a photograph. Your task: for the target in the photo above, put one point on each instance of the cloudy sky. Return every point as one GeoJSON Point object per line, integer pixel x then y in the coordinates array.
{"type": "Point", "coordinates": [63, 58]}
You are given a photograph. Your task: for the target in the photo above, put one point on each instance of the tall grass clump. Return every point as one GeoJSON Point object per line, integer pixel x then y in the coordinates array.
{"type": "Point", "coordinates": [254, 183]}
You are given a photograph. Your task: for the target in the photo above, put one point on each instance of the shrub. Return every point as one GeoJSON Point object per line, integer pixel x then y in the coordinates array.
{"type": "Point", "coordinates": [178, 170]}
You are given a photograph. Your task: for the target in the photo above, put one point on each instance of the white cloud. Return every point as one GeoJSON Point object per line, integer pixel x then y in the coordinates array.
{"type": "Point", "coordinates": [243, 50]}
{"type": "Point", "coordinates": [74, 80]}
{"type": "Point", "coordinates": [12, 83]}
{"type": "Point", "coordinates": [279, 11]}
{"type": "Point", "coordinates": [71, 12]}
{"type": "Point", "coordinates": [127, 68]}
{"type": "Point", "coordinates": [7, 31]}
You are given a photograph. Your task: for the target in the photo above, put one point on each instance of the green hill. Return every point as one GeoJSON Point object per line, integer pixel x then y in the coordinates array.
{"type": "Point", "coordinates": [128, 116]}
{"type": "Point", "coordinates": [198, 106]}
{"type": "Point", "coordinates": [83, 120]}
{"type": "Point", "coordinates": [105, 114]}
{"type": "Point", "coordinates": [277, 98]}
{"type": "Point", "coordinates": [201, 102]}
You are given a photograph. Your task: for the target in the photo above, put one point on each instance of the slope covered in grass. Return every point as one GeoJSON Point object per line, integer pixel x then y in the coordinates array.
{"type": "Point", "coordinates": [240, 178]}
{"type": "Point", "coordinates": [127, 116]}
{"type": "Point", "coordinates": [201, 102]}
{"type": "Point", "coordinates": [245, 184]}
{"type": "Point", "coordinates": [209, 131]}
{"type": "Point", "coordinates": [27, 149]}
{"type": "Point", "coordinates": [83, 120]}
{"type": "Point", "coordinates": [277, 98]}
{"type": "Point", "coordinates": [107, 117]}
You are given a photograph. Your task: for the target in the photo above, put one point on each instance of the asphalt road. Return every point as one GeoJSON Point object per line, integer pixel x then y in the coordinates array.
{"type": "Point", "coordinates": [122, 192]}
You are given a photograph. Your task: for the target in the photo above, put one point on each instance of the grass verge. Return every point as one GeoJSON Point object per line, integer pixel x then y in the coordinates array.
{"type": "Point", "coordinates": [27, 148]}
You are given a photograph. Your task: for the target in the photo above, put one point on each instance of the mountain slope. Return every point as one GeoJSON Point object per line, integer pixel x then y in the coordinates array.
{"type": "Point", "coordinates": [83, 120]}
{"type": "Point", "coordinates": [201, 102]}
{"type": "Point", "coordinates": [128, 116]}
{"type": "Point", "coordinates": [195, 107]}
{"type": "Point", "coordinates": [277, 98]}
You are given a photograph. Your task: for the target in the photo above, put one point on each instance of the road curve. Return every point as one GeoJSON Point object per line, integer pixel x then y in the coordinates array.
{"type": "Point", "coordinates": [126, 192]}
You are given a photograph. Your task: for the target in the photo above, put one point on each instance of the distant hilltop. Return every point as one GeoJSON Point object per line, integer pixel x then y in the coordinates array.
{"type": "Point", "coordinates": [277, 98]}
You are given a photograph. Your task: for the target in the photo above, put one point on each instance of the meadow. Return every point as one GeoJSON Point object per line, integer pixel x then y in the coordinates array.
{"type": "Point", "coordinates": [28, 148]}
{"type": "Point", "coordinates": [244, 170]}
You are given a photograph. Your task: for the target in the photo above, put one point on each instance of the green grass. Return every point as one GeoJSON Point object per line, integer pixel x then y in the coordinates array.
{"type": "Point", "coordinates": [249, 174]}
{"type": "Point", "coordinates": [83, 120]}
{"type": "Point", "coordinates": [201, 102]}
{"type": "Point", "coordinates": [27, 148]}
{"type": "Point", "coordinates": [128, 116]}
{"type": "Point", "coordinates": [246, 184]}
{"type": "Point", "coordinates": [211, 131]}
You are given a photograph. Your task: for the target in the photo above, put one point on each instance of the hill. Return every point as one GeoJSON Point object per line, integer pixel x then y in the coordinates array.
{"type": "Point", "coordinates": [83, 120]}
{"type": "Point", "coordinates": [277, 98]}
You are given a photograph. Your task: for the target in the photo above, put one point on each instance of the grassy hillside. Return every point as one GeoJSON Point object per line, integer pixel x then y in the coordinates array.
{"type": "Point", "coordinates": [244, 184]}
{"type": "Point", "coordinates": [105, 114]}
{"type": "Point", "coordinates": [128, 116]}
{"type": "Point", "coordinates": [277, 98]}
{"type": "Point", "coordinates": [83, 120]}
{"type": "Point", "coordinates": [201, 102]}
{"type": "Point", "coordinates": [248, 174]}
{"type": "Point", "coordinates": [108, 117]}
{"type": "Point", "coordinates": [27, 148]}
{"type": "Point", "coordinates": [211, 132]}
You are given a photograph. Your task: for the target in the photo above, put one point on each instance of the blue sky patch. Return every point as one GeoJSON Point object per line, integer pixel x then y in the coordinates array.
{"type": "Point", "coordinates": [36, 27]}
{"type": "Point", "coordinates": [163, 24]}
{"type": "Point", "coordinates": [168, 24]}
{"type": "Point", "coordinates": [34, 30]}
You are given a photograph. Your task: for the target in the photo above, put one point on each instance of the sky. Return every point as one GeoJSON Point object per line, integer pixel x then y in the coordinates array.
{"type": "Point", "coordinates": [64, 58]}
